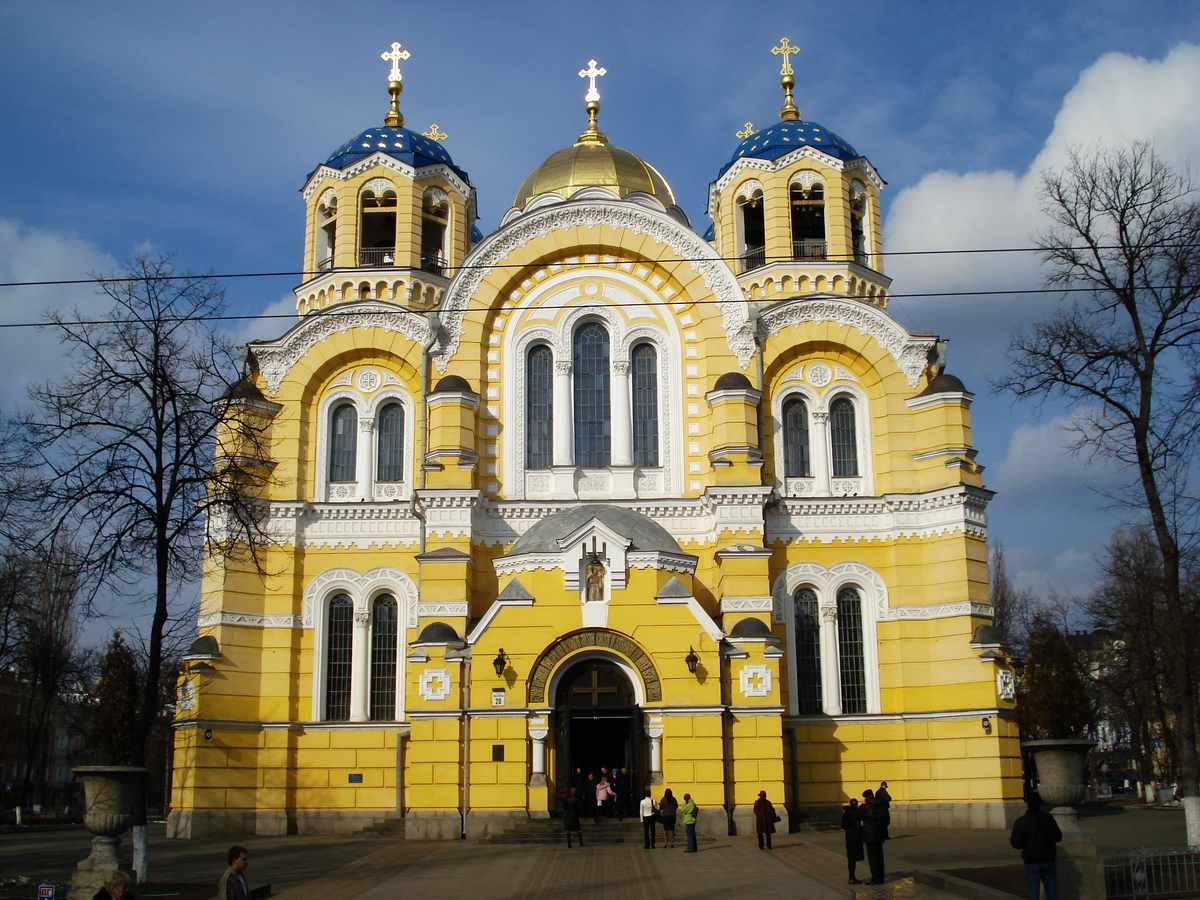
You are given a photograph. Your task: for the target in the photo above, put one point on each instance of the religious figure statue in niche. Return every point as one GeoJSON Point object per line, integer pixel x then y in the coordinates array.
{"type": "Point", "coordinates": [594, 580]}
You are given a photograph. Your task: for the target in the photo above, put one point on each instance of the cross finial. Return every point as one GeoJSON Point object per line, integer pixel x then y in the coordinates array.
{"type": "Point", "coordinates": [746, 132]}
{"type": "Point", "coordinates": [394, 118]}
{"type": "Point", "coordinates": [433, 134]}
{"type": "Point", "coordinates": [394, 56]}
{"type": "Point", "coordinates": [787, 80]}
{"type": "Point", "coordinates": [785, 49]}
{"type": "Point", "coordinates": [591, 73]}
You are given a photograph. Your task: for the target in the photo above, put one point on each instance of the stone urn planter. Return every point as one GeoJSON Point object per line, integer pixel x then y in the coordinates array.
{"type": "Point", "coordinates": [1060, 778]}
{"type": "Point", "coordinates": [114, 801]}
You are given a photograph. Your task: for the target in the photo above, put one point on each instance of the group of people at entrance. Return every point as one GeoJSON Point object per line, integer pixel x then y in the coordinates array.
{"type": "Point", "coordinates": [608, 792]}
{"type": "Point", "coordinates": [866, 827]}
{"type": "Point", "coordinates": [668, 812]}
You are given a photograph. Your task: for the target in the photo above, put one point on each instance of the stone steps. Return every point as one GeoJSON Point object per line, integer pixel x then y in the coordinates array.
{"type": "Point", "coordinates": [550, 831]}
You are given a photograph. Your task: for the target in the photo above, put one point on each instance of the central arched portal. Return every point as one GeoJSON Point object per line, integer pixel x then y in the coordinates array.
{"type": "Point", "coordinates": [598, 723]}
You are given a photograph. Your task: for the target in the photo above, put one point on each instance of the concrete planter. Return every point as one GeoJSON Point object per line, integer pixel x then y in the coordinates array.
{"type": "Point", "coordinates": [114, 801]}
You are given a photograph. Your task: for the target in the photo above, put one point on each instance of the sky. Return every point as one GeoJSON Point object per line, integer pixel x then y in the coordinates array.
{"type": "Point", "coordinates": [190, 128]}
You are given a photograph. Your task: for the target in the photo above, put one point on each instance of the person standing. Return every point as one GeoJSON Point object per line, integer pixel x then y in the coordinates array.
{"type": "Point", "coordinates": [232, 885]}
{"type": "Point", "coordinates": [604, 794]}
{"type": "Point", "coordinates": [764, 820]}
{"type": "Point", "coordinates": [1036, 834]}
{"type": "Point", "coordinates": [882, 795]}
{"type": "Point", "coordinates": [668, 809]}
{"type": "Point", "coordinates": [648, 811]}
{"type": "Point", "coordinates": [623, 785]}
{"type": "Point", "coordinates": [688, 811]}
{"type": "Point", "coordinates": [854, 840]}
{"type": "Point", "coordinates": [875, 818]}
{"type": "Point", "coordinates": [572, 816]}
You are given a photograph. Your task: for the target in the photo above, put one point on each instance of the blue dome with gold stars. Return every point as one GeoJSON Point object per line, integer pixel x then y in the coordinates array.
{"type": "Point", "coordinates": [784, 137]}
{"type": "Point", "coordinates": [397, 142]}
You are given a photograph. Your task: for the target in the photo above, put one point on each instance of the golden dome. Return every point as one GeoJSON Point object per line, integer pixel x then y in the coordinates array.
{"type": "Point", "coordinates": [594, 163]}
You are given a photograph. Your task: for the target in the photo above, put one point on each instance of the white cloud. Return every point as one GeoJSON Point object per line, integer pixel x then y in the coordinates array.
{"type": "Point", "coordinates": [34, 255]}
{"type": "Point", "coordinates": [265, 327]}
{"type": "Point", "coordinates": [1039, 458]}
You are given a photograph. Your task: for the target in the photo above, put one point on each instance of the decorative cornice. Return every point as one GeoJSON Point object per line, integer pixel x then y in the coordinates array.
{"type": "Point", "coordinates": [276, 358]}
{"type": "Point", "coordinates": [391, 163]}
{"type": "Point", "coordinates": [891, 517]}
{"type": "Point", "coordinates": [911, 352]}
{"type": "Point", "coordinates": [660, 227]}
{"type": "Point", "coordinates": [247, 620]}
{"type": "Point", "coordinates": [755, 164]}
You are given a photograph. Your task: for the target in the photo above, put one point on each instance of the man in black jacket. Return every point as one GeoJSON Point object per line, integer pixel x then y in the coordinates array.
{"type": "Point", "coordinates": [1036, 835]}
{"type": "Point", "coordinates": [875, 819]}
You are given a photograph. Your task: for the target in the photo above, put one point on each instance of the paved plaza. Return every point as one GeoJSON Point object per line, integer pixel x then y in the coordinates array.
{"type": "Point", "coordinates": [355, 867]}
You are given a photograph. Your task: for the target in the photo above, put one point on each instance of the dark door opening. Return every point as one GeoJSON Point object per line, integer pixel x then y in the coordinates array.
{"type": "Point", "coordinates": [598, 724]}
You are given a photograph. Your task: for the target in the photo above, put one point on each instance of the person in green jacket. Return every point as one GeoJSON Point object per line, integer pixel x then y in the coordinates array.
{"type": "Point", "coordinates": [688, 812]}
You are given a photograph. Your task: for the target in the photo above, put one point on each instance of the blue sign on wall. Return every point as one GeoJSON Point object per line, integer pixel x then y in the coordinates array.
{"type": "Point", "coordinates": [356, 778]}
{"type": "Point", "coordinates": [46, 891]}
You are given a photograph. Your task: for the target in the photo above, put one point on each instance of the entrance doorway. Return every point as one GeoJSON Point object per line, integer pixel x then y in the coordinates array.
{"type": "Point", "coordinates": [598, 723]}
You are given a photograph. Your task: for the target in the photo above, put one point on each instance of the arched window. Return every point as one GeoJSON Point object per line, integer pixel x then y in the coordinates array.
{"type": "Point", "coordinates": [858, 229]}
{"type": "Point", "coordinates": [851, 667]}
{"type": "Point", "coordinates": [384, 636]}
{"type": "Point", "coordinates": [808, 221]}
{"type": "Point", "coordinates": [593, 423]}
{"type": "Point", "coordinates": [754, 231]}
{"type": "Point", "coordinates": [808, 652]}
{"type": "Point", "coordinates": [326, 234]}
{"type": "Point", "coordinates": [435, 215]}
{"type": "Point", "coordinates": [795, 439]}
{"type": "Point", "coordinates": [377, 229]}
{"type": "Point", "coordinates": [390, 430]}
{"type": "Point", "coordinates": [644, 361]}
{"type": "Point", "coordinates": [843, 438]}
{"type": "Point", "coordinates": [343, 442]}
{"type": "Point", "coordinates": [539, 407]}
{"type": "Point", "coordinates": [338, 662]}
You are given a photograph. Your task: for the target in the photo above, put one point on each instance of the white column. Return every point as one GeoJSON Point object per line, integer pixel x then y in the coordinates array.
{"type": "Point", "coordinates": [818, 438]}
{"type": "Point", "coordinates": [537, 739]}
{"type": "Point", "coordinates": [365, 458]}
{"type": "Point", "coordinates": [622, 418]}
{"type": "Point", "coordinates": [655, 733]}
{"type": "Point", "coordinates": [360, 660]}
{"type": "Point", "coordinates": [564, 449]}
{"type": "Point", "coordinates": [831, 677]}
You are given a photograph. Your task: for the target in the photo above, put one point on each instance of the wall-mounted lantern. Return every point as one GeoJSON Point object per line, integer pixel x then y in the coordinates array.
{"type": "Point", "coordinates": [692, 660]}
{"type": "Point", "coordinates": [500, 662]}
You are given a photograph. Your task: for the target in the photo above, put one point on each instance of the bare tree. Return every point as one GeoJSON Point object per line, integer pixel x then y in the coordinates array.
{"type": "Point", "coordinates": [1012, 607]}
{"type": "Point", "coordinates": [1126, 239]}
{"type": "Point", "coordinates": [127, 441]}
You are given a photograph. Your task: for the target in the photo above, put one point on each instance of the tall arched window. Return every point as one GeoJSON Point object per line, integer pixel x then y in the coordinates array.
{"type": "Point", "coordinates": [326, 234]}
{"type": "Point", "coordinates": [539, 407]}
{"type": "Point", "coordinates": [377, 229]}
{"type": "Point", "coordinates": [644, 361]}
{"type": "Point", "coordinates": [808, 652]}
{"type": "Point", "coordinates": [858, 229]}
{"type": "Point", "coordinates": [593, 423]}
{"type": "Point", "coordinates": [343, 442]}
{"type": "Point", "coordinates": [338, 662]}
{"type": "Point", "coordinates": [843, 438]}
{"type": "Point", "coordinates": [389, 428]}
{"type": "Point", "coordinates": [754, 231]}
{"type": "Point", "coordinates": [384, 635]}
{"type": "Point", "coordinates": [435, 215]}
{"type": "Point", "coordinates": [795, 439]}
{"type": "Point", "coordinates": [851, 667]}
{"type": "Point", "coordinates": [808, 221]}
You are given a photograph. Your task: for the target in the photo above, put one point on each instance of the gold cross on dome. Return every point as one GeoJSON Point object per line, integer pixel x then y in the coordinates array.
{"type": "Point", "coordinates": [394, 56]}
{"type": "Point", "coordinates": [746, 132]}
{"type": "Point", "coordinates": [591, 73]}
{"type": "Point", "coordinates": [433, 134]}
{"type": "Point", "coordinates": [785, 49]}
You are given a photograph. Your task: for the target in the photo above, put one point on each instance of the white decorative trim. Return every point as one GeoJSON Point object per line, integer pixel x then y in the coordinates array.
{"type": "Point", "coordinates": [943, 398]}
{"type": "Point", "coordinates": [806, 178]}
{"type": "Point", "coordinates": [392, 164]}
{"type": "Point", "coordinates": [747, 189]}
{"type": "Point", "coordinates": [940, 611]}
{"type": "Point", "coordinates": [591, 214]}
{"type": "Point", "coordinates": [775, 165]}
{"type": "Point", "coordinates": [362, 589]}
{"type": "Point", "coordinates": [1006, 685]}
{"type": "Point", "coordinates": [276, 358]}
{"type": "Point", "coordinates": [436, 194]}
{"type": "Point", "coordinates": [435, 684]}
{"type": "Point", "coordinates": [330, 194]}
{"type": "Point", "coordinates": [747, 604]}
{"type": "Point", "coordinates": [698, 612]}
{"type": "Point", "coordinates": [820, 482]}
{"type": "Point", "coordinates": [911, 352]}
{"type": "Point", "coordinates": [749, 675]}
{"type": "Point", "coordinates": [426, 609]}
{"type": "Point", "coordinates": [377, 186]}
{"type": "Point", "coordinates": [368, 380]}
{"type": "Point", "coordinates": [247, 620]}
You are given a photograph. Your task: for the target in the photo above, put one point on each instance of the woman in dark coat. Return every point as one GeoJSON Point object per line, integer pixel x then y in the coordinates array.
{"type": "Point", "coordinates": [875, 820]}
{"type": "Point", "coordinates": [572, 810]}
{"type": "Point", "coordinates": [854, 842]}
{"type": "Point", "coordinates": [668, 810]}
{"type": "Point", "coordinates": [764, 819]}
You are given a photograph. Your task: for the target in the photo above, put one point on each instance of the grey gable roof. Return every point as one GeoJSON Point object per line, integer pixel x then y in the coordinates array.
{"type": "Point", "coordinates": [644, 533]}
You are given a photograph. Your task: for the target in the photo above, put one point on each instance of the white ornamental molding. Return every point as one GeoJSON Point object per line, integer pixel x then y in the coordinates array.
{"type": "Point", "coordinates": [247, 620]}
{"type": "Point", "coordinates": [391, 164]}
{"type": "Point", "coordinates": [775, 165]}
{"type": "Point", "coordinates": [660, 227]}
{"type": "Point", "coordinates": [755, 681]}
{"type": "Point", "coordinates": [1006, 685]}
{"type": "Point", "coordinates": [428, 610]}
{"type": "Point", "coordinates": [806, 178]}
{"type": "Point", "coordinates": [941, 611]}
{"type": "Point", "coordinates": [746, 604]}
{"type": "Point", "coordinates": [378, 186]}
{"type": "Point", "coordinates": [362, 589]}
{"type": "Point", "coordinates": [276, 358]}
{"type": "Point", "coordinates": [819, 375]}
{"type": "Point", "coordinates": [911, 352]}
{"type": "Point", "coordinates": [435, 684]}
{"type": "Point", "coordinates": [368, 380]}
{"type": "Point", "coordinates": [329, 198]}
{"type": "Point", "coordinates": [746, 189]}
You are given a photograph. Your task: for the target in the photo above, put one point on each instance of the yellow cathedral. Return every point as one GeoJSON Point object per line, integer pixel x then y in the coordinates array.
{"type": "Point", "coordinates": [597, 489]}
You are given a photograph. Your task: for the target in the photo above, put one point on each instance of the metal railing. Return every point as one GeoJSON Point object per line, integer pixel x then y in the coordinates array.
{"type": "Point", "coordinates": [1151, 873]}
{"type": "Point", "coordinates": [809, 250]}
{"type": "Point", "coordinates": [377, 256]}
{"type": "Point", "coordinates": [325, 265]}
{"type": "Point", "coordinates": [435, 265]}
{"type": "Point", "coordinates": [753, 258]}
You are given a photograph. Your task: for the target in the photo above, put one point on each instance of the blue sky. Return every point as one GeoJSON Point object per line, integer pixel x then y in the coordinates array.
{"type": "Point", "coordinates": [190, 128]}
